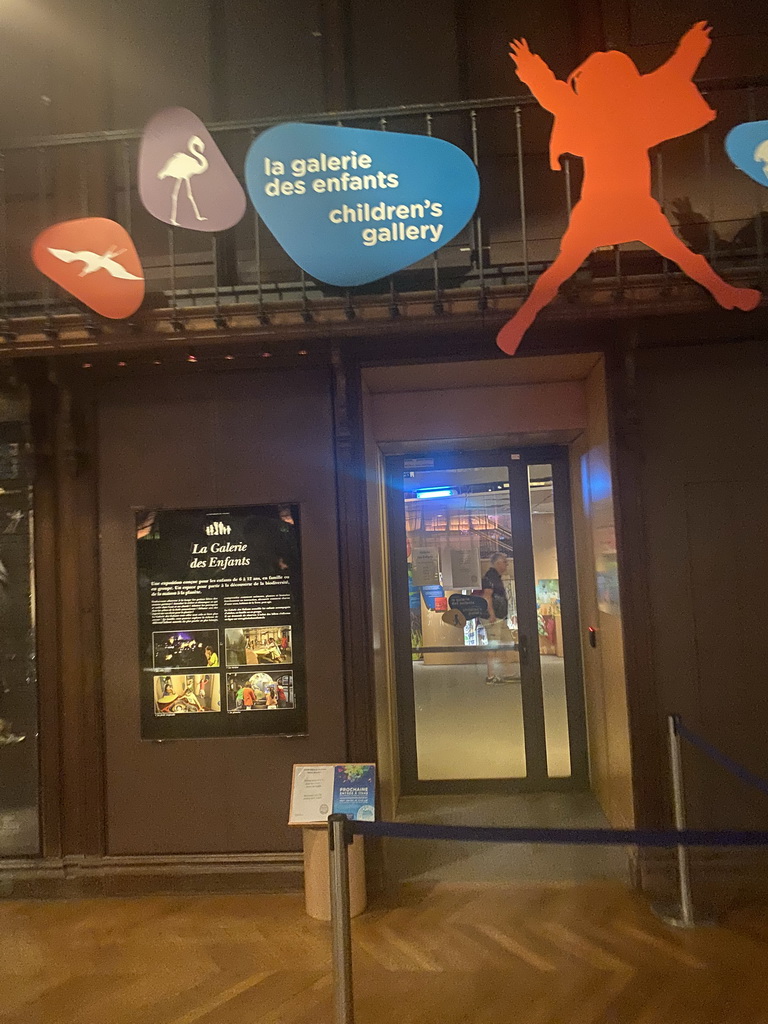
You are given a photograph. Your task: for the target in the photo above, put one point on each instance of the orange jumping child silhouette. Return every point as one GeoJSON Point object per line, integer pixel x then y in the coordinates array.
{"type": "Point", "coordinates": [611, 115]}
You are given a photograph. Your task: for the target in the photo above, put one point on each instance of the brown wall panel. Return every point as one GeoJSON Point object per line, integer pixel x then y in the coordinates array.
{"type": "Point", "coordinates": [704, 430]}
{"type": "Point", "coordinates": [240, 438]}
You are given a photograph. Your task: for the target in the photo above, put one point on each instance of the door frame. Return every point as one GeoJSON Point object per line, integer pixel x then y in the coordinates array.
{"type": "Point", "coordinates": [536, 779]}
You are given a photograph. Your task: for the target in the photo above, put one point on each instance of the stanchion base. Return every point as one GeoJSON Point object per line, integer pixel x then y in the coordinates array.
{"type": "Point", "coordinates": [671, 914]}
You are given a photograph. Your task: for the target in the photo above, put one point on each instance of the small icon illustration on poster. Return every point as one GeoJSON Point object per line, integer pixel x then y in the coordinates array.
{"type": "Point", "coordinates": [95, 260]}
{"type": "Point", "coordinates": [610, 115]}
{"type": "Point", "coordinates": [178, 152]}
{"type": "Point", "coordinates": [747, 148]}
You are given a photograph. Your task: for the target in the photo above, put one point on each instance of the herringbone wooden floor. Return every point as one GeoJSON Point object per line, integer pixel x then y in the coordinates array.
{"type": "Point", "coordinates": [575, 954]}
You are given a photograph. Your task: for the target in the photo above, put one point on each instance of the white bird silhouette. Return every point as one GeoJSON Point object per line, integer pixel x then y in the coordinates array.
{"type": "Point", "coordinates": [94, 262]}
{"type": "Point", "coordinates": [182, 167]}
{"type": "Point", "coordinates": [761, 155]}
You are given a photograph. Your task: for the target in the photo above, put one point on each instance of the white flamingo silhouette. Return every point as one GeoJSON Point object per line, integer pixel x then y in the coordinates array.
{"type": "Point", "coordinates": [182, 167]}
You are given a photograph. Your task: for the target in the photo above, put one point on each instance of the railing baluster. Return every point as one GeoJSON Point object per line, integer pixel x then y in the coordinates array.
{"type": "Point", "coordinates": [306, 312]}
{"type": "Point", "coordinates": [437, 303]}
{"type": "Point", "coordinates": [349, 308]}
{"type": "Point", "coordinates": [44, 217]}
{"type": "Point", "coordinates": [521, 188]}
{"type": "Point", "coordinates": [710, 197]}
{"type": "Point", "coordinates": [172, 263]}
{"type": "Point", "coordinates": [394, 309]}
{"type": "Point", "coordinates": [216, 296]}
{"type": "Point", "coordinates": [83, 199]}
{"type": "Point", "coordinates": [4, 244]}
{"type": "Point", "coordinates": [482, 301]}
{"type": "Point", "coordinates": [127, 187]}
{"type": "Point", "coordinates": [263, 315]}
{"type": "Point", "coordinates": [662, 201]}
{"type": "Point", "coordinates": [757, 190]}
{"type": "Point", "coordinates": [568, 196]}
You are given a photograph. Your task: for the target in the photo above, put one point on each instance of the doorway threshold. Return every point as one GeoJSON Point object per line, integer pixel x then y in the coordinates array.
{"type": "Point", "coordinates": [416, 860]}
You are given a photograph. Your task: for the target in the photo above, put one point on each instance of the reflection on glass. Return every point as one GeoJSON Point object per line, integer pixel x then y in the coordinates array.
{"type": "Point", "coordinates": [19, 834]}
{"type": "Point", "coordinates": [466, 671]}
{"type": "Point", "coordinates": [550, 629]}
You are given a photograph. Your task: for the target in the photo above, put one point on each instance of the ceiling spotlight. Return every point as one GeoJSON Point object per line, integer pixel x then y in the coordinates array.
{"type": "Point", "coordinates": [157, 362]}
{"type": "Point", "coordinates": [229, 357]}
{"type": "Point", "coordinates": [266, 355]}
{"type": "Point", "coordinates": [87, 366]}
{"type": "Point", "coordinates": [122, 363]}
{"type": "Point", "coordinates": [303, 352]}
{"type": "Point", "coordinates": [191, 357]}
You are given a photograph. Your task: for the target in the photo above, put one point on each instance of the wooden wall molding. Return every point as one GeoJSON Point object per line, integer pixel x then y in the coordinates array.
{"type": "Point", "coordinates": [83, 877]}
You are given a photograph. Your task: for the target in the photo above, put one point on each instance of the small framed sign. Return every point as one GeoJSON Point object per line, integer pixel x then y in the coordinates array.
{"type": "Point", "coordinates": [318, 790]}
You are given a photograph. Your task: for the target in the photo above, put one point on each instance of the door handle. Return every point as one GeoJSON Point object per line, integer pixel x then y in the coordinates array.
{"type": "Point", "coordinates": [523, 648]}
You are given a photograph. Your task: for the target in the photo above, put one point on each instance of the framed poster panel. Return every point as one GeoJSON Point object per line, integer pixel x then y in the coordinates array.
{"type": "Point", "coordinates": [221, 625]}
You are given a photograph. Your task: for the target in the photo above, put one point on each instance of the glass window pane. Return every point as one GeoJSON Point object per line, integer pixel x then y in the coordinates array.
{"type": "Point", "coordinates": [550, 626]}
{"type": "Point", "coordinates": [466, 670]}
{"type": "Point", "coordinates": [19, 832]}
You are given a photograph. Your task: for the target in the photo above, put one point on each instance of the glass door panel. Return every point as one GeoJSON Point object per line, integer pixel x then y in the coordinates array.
{"type": "Point", "coordinates": [549, 619]}
{"type": "Point", "coordinates": [468, 711]}
{"type": "Point", "coordinates": [487, 649]}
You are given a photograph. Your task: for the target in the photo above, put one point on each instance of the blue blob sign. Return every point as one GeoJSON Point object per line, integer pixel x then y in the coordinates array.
{"type": "Point", "coordinates": [351, 205]}
{"type": "Point", "coordinates": [747, 146]}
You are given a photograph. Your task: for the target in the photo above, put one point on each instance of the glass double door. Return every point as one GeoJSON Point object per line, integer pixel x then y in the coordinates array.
{"type": "Point", "coordinates": [486, 634]}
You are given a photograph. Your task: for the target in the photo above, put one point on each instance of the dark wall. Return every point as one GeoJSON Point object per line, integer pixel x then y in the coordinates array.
{"type": "Point", "coordinates": [705, 492]}
{"type": "Point", "coordinates": [233, 439]}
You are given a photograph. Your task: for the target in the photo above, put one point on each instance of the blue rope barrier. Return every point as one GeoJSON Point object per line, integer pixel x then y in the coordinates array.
{"type": "Point", "coordinates": [563, 836]}
{"type": "Point", "coordinates": [720, 758]}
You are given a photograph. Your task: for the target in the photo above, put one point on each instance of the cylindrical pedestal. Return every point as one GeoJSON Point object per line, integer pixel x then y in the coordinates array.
{"type": "Point", "coordinates": [317, 879]}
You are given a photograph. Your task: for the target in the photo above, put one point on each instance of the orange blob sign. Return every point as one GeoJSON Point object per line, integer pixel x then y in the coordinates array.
{"type": "Point", "coordinates": [95, 260]}
{"type": "Point", "coordinates": [610, 115]}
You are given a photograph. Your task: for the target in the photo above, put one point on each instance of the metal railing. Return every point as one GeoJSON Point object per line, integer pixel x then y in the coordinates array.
{"type": "Point", "coordinates": [524, 209]}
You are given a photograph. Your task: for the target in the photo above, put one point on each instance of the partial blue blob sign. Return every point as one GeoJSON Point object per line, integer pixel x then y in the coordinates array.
{"type": "Point", "coordinates": [747, 146]}
{"type": "Point", "coordinates": [351, 205]}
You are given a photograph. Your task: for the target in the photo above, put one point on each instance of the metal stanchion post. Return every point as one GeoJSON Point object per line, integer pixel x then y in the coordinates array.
{"type": "Point", "coordinates": [682, 915]}
{"type": "Point", "coordinates": [341, 927]}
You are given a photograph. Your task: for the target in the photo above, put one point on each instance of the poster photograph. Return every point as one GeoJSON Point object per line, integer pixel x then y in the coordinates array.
{"type": "Point", "coordinates": [259, 691]}
{"type": "Point", "coordinates": [259, 646]}
{"type": "Point", "coordinates": [221, 633]}
{"type": "Point", "coordinates": [179, 694]}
